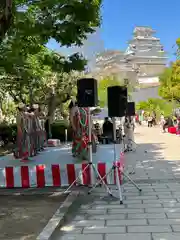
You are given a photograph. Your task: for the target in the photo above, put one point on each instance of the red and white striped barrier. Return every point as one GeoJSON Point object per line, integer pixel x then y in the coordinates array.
{"type": "Point", "coordinates": [41, 175]}
{"type": "Point", "coordinates": [54, 175]}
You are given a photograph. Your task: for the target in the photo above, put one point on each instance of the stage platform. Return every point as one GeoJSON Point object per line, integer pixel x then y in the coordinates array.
{"type": "Point", "coordinates": [53, 167]}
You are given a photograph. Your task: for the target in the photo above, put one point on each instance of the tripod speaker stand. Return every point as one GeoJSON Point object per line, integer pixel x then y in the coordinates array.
{"type": "Point", "coordinates": [90, 165]}
{"type": "Point", "coordinates": [118, 169]}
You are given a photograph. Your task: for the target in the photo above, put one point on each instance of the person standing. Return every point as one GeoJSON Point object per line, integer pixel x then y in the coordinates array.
{"type": "Point", "coordinates": [20, 152]}
{"type": "Point", "coordinates": [108, 129]}
{"type": "Point", "coordinates": [43, 133]}
{"type": "Point", "coordinates": [31, 133]}
{"type": "Point", "coordinates": [79, 123]}
{"type": "Point", "coordinates": [37, 127]}
{"type": "Point", "coordinates": [129, 126]}
{"type": "Point", "coordinates": [150, 119]}
{"type": "Point", "coordinates": [162, 122]}
{"type": "Point", "coordinates": [27, 134]}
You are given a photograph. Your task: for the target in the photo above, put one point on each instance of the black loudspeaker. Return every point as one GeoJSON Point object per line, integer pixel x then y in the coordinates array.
{"type": "Point", "coordinates": [117, 101]}
{"type": "Point", "coordinates": [131, 109]}
{"type": "Point", "coordinates": [87, 93]}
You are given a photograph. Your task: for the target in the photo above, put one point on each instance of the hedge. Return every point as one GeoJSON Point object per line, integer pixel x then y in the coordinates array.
{"type": "Point", "coordinates": [8, 132]}
{"type": "Point", "coordinates": [58, 131]}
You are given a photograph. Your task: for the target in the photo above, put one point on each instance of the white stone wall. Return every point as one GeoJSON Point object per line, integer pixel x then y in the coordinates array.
{"type": "Point", "coordinates": [144, 80]}
{"type": "Point", "coordinates": [144, 94]}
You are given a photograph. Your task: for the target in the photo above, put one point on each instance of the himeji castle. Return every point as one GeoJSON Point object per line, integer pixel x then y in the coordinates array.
{"type": "Point", "coordinates": [141, 63]}
{"type": "Point", "coordinates": [147, 53]}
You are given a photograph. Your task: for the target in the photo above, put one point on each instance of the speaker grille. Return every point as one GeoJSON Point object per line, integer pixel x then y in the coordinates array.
{"type": "Point", "coordinates": [131, 109]}
{"type": "Point", "coordinates": [87, 92]}
{"type": "Point", "coordinates": [117, 101]}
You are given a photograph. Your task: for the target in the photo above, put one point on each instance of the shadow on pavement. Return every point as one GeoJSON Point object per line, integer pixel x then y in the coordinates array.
{"type": "Point", "coordinates": [149, 163]}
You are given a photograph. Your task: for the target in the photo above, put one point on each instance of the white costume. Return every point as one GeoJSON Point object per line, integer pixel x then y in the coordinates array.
{"type": "Point", "coordinates": [129, 126]}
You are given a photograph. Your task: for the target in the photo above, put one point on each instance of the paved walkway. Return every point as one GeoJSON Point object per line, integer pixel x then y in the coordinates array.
{"type": "Point", "coordinates": [152, 215]}
{"type": "Point", "coordinates": [157, 156]}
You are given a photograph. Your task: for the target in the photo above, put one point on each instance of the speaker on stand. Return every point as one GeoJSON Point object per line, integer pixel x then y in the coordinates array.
{"type": "Point", "coordinates": [117, 107]}
{"type": "Point", "coordinates": [87, 96]}
{"type": "Point", "coordinates": [130, 111]}
{"type": "Point", "coordinates": [117, 101]}
{"type": "Point", "coordinates": [87, 92]}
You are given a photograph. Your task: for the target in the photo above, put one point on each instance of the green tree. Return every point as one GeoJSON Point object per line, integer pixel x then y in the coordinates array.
{"type": "Point", "coordinates": [29, 71]}
{"type": "Point", "coordinates": [159, 106]}
{"type": "Point", "coordinates": [178, 48]}
{"type": "Point", "coordinates": [24, 77]}
{"type": "Point", "coordinates": [6, 12]}
{"type": "Point", "coordinates": [170, 83]}
{"type": "Point", "coordinates": [68, 22]}
{"type": "Point", "coordinates": [25, 61]}
{"type": "Point", "coordinates": [8, 110]}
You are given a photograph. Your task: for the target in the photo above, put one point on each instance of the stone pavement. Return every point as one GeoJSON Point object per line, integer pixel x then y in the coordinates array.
{"type": "Point", "coordinates": [153, 214]}
{"type": "Point", "coordinates": [157, 156]}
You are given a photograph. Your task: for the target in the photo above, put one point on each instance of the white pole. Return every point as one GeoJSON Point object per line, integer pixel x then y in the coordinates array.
{"type": "Point", "coordinates": [66, 136]}
{"type": "Point", "coordinates": [114, 136]}
{"type": "Point", "coordinates": [90, 146]}
{"type": "Point", "coordinates": [115, 162]}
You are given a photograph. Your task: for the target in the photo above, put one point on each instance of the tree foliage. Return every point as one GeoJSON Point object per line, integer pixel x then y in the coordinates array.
{"type": "Point", "coordinates": [6, 15]}
{"type": "Point", "coordinates": [29, 71]}
{"type": "Point", "coordinates": [170, 83]}
{"type": "Point", "coordinates": [68, 22]}
{"type": "Point", "coordinates": [170, 79]}
{"type": "Point", "coordinates": [159, 106]}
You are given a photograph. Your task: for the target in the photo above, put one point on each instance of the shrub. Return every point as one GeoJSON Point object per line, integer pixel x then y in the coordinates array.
{"type": "Point", "coordinates": [8, 132]}
{"type": "Point", "coordinates": [58, 130]}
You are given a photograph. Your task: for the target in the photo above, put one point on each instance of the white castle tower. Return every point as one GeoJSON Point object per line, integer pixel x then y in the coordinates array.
{"type": "Point", "coordinates": [142, 62]}
{"type": "Point", "coordinates": [146, 53]}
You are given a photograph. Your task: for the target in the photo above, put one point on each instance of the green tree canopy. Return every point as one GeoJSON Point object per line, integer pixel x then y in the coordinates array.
{"type": "Point", "coordinates": [6, 15]}
{"type": "Point", "coordinates": [29, 72]}
{"type": "Point", "coordinates": [159, 106]}
{"type": "Point", "coordinates": [25, 62]}
{"type": "Point", "coordinates": [170, 83]}
{"type": "Point", "coordinates": [68, 22]}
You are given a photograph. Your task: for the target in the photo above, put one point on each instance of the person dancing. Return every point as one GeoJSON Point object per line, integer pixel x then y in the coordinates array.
{"type": "Point", "coordinates": [21, 150]}
{"type": "Point", "coordinates": [41, 125]}
{"type": "Point", "coordinates": [38, 129]}
{"type": "Point", "coordinates": [79, 123]}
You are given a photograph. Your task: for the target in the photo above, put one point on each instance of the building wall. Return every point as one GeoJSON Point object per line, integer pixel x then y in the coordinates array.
{"type": "Point", "coordinates": [144, 94]}
{"type": "Point", "coordinates": [152, 69]}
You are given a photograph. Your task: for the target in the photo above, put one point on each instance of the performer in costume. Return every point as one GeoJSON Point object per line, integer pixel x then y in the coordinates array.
{"type": "Point", "coordinates": [37, 127]}
{"type": "Point", "coordinates": [42, 129]}
{"type": "Point", "coordinates": [79, 123]}
{"type": "Point", "coordinates": [129, 133]}
{"type": "Point", "coordinates": [21, 143]}
{"type": "Point", "coordinates": [31, 133]}
{"type": "Point", "coordinates": [19, 137]}
{"type": "Point", "coordinates": [34, 131]}
{"type": "Point", "coordinates": [27, 134]}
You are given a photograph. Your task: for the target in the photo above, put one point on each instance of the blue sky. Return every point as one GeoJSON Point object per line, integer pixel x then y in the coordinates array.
{"type": "Point", "coordinates": [119, 17]}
